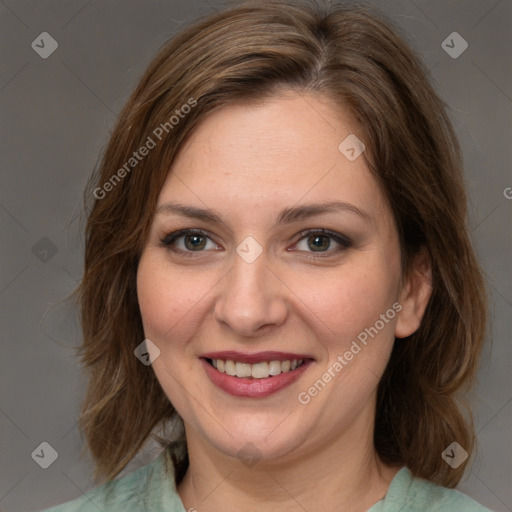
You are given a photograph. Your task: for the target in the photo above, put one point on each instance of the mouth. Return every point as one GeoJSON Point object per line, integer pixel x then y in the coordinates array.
{"type": "Point", "coordinates": [261, 370]}
{"type": "Point", "coordinates": [254, 375]}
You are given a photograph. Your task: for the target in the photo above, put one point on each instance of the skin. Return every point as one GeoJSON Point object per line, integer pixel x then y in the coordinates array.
{"type": "Point", "coordinates": [247, 163]}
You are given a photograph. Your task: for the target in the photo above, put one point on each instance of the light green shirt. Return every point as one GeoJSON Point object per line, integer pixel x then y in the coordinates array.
{"type": "Point", "coordinates": [152, 488]}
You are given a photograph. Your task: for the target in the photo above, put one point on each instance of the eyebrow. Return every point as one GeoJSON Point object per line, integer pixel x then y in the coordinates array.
{"type": "Point", "coordinates": [286, 216]}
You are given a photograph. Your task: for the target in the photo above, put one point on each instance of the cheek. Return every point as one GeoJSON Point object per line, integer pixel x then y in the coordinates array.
{"type": "Point", "coordinates": [349, 299]}
{"type": "Point", "coordinates": [169, 303]}
{"type": "Point", "coordinates": [366, 317]}
{"type": "Point", "coordinates": [153, 295]}
{"type": "Point", "coordinates": [165, 297]}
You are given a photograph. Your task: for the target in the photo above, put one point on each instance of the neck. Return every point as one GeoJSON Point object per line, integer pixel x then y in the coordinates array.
{"type": "Point", "coordinates": [347, 470]}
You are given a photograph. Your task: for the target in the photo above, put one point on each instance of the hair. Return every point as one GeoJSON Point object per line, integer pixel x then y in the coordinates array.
{"type": "Point", "coordinates": [353, 56]}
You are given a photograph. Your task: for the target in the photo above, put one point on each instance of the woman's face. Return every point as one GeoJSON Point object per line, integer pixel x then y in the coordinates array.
{"type": "Point", "coordinates": [293, 261]}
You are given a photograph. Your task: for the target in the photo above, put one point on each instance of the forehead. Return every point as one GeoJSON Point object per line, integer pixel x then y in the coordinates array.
{"type": "Point", "coordinates": [272, 155]}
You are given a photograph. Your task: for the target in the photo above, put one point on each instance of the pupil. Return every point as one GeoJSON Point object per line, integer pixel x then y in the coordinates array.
{"type": "Point", "coordinates": [319, 242]}
{"type": "Point", "coordinates": [195, 242]}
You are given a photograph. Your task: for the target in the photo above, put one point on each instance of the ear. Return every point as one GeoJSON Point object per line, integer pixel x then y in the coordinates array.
{"type": "Point", "coordinates": [415, 294]}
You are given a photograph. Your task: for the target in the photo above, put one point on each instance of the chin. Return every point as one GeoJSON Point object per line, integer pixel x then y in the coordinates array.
{"type": "Point", "coordinates": [268, 439]}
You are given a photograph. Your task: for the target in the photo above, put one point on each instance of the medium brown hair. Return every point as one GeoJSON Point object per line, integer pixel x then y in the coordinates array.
{"type": "Point", "coordinates": [350, 55]}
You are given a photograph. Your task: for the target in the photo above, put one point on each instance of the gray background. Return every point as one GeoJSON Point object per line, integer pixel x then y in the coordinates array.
{"type": "Point", "coordinates": [56, 117]}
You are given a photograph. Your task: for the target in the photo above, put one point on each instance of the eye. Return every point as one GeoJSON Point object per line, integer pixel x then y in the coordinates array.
{"type": "Point", "coordinates": [189, 240]}
{"type": "Point", "coordinates": [322, 241]}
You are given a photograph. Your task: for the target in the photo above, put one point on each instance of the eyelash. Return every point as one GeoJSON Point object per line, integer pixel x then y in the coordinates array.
{"type": "Point", "coordinates": [168, 240]}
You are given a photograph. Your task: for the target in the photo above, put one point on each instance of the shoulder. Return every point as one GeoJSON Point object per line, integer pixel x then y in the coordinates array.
{"type": "Point", "coordinates": [418, 495]}
{"type": "Point", "coordinates": [150, 488]}
{"type": "Point", "coordinates": [126, 490]}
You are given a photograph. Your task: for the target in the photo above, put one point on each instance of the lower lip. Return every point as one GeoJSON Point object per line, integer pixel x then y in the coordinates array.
{"type": "Point", "coordinates": [253, 388]}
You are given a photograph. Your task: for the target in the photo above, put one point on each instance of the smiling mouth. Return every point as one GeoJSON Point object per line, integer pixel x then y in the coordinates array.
{"type": "Point", "coordinates": [261, 370]}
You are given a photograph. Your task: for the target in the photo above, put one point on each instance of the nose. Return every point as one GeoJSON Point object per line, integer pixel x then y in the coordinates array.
{"type": "Point", "coordinates": [252, 299]}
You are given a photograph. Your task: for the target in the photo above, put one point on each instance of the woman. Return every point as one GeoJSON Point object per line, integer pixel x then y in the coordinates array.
{"type": "Point", "coordinates": [277, 259]}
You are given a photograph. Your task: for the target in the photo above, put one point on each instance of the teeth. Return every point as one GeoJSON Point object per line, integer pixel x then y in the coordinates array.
{"type": "Point", "coordinates": [258, 370]}
{"type": "Point", "coordinates": [274, 368]}
{"type": "Point", "coordinates": [243, 370]}
{"type": "Point", "coordinates": [229, 368]}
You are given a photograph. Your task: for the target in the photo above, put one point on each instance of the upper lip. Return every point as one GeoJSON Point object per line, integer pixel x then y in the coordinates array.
{"type": "Point", "coordinates": [256, 357]}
